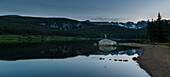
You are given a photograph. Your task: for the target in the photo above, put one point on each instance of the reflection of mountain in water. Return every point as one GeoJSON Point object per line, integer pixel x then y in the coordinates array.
{"type": "Point", "coordinates": [126, 52]}
{"type": "Point", "coordinates": [53, 50]}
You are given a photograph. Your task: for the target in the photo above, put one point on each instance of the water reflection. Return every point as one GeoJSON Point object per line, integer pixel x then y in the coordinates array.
{"type": "Point", "coordinates": [68, 59]}
{"type": "Point", "coordinates": [107, 48]}
{"type": "Point", "coordinates": [56, 50]}
{"type": "Point", "coordinates": [127, 52]}
{"type": "Point", "coordinates": [133, 53]}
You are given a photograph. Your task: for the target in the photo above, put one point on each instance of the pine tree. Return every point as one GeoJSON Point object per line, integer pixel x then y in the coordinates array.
{"type": "Point", "coordinates": [159, 17]}
{"type": "Point", "coordinates": [149, 30]}
{"type": "Point", "coordinates": [161, 29]}
{"type": "Point", "coordinates": [157, 30]}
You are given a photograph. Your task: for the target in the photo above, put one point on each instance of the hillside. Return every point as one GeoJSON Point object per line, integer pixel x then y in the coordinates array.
{"type": "Point", "coordinates": [111, 31]}
{"type": "Point", "coordinates": [19, 25]}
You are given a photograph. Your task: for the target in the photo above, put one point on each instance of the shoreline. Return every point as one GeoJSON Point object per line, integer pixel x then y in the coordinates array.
{"type": "Point", "coordinates": [155, 59]}
{"type": "Point", "coordinates": [38, 38]}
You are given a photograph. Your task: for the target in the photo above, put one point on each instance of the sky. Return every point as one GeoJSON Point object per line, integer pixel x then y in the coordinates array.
{"type": "Point", "coordinates": [93, 10]}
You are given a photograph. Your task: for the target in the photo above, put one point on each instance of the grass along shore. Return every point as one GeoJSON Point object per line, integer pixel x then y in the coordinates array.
{"type": "Point", "coordinates": [39, 37]}
{"type": "Point", "coordinates": [166, 44]}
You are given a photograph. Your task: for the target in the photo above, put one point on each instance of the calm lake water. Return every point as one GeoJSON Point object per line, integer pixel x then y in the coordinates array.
{"type": "Point", "coordinates": [68, 59]}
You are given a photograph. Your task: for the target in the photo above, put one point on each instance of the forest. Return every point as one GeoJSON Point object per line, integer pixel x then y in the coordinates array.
{"type": "Point", "coordinates": [158, 30]}
{"type": "Point", "coordinates": [19, 25]}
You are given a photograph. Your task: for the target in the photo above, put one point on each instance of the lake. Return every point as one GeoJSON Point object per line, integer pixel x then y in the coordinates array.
{"type": "Point", "coordinates": [68, 59]}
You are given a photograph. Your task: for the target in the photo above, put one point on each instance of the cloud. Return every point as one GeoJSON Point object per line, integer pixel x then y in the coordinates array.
{"type": "Point", "coordinates": [109, 19]}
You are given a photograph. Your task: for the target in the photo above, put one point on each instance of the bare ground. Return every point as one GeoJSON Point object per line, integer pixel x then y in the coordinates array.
{"type": "Point", "coordinates": [155, 59]}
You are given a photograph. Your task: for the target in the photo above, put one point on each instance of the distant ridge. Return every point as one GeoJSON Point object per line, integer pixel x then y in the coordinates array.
{"type": "Point", "coordinates": [25, 25]}
{"type": "Point", "coordinates": [131, 25]}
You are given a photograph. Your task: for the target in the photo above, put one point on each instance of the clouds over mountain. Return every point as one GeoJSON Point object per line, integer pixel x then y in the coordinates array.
{"type": "Point", "coordinates": [109, 19]}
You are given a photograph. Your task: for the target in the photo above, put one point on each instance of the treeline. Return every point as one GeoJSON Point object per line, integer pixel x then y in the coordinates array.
{"type": "Point", "coordinates": [115, 32]}
{"type": "Point", "coordinates": [94, 32]}
{"type": "Point", "coordinates": [42, 23]}
{"type": "Point", "coordinates": [7, 30]}
{"type": "Point", "coordinates": [18, 25]}
{"type": "Point", "coordinates": [159, 30]}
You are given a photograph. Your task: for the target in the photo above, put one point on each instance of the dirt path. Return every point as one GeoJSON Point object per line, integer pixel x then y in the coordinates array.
{"type": "Point", "coordinates": [155, 59]}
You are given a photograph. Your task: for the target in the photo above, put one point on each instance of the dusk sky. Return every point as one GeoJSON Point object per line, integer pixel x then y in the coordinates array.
{"type": "Point", "coordinates": [94, 10]}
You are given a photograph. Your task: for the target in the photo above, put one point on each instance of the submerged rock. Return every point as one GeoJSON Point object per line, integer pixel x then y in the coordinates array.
{"type": "Point", "coordinates": [120, 60]}
{"type": "Point", "coordinates": [125, 60]}
{"type": "Point", "coordinates": [107, 42]}
{"type": "Point", "coordinates": [100, 58]}
{"type": "Point", "coordinates": [134, 58]}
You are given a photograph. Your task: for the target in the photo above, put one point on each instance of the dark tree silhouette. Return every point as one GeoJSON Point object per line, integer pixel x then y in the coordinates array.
{"type": "Point", "coordinates": [19, 25]}
{"type": "Point", "coordinates": [158, 30]}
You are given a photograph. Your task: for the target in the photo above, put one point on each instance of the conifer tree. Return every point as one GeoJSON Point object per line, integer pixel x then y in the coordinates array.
{"type": "Point", "coordinates": [157, 30]}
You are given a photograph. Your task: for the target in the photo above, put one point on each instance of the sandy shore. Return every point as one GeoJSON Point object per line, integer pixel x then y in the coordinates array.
{"type": "Point", "coordinates": [155, 59]}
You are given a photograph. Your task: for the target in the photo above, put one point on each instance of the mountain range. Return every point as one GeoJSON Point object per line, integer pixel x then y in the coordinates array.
{"type": "Point", "coordinates": [131, 25]}
{"type": "Point", "coordinates": [24, 25]}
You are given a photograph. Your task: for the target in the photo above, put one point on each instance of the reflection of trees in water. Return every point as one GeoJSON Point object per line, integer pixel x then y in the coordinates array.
{"type": "Point", "coordinates": [41, 50]}
{"type": "Point", "coordinates": [49, 50]}
{"type": "Point", "coordinates": [64, 50]}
